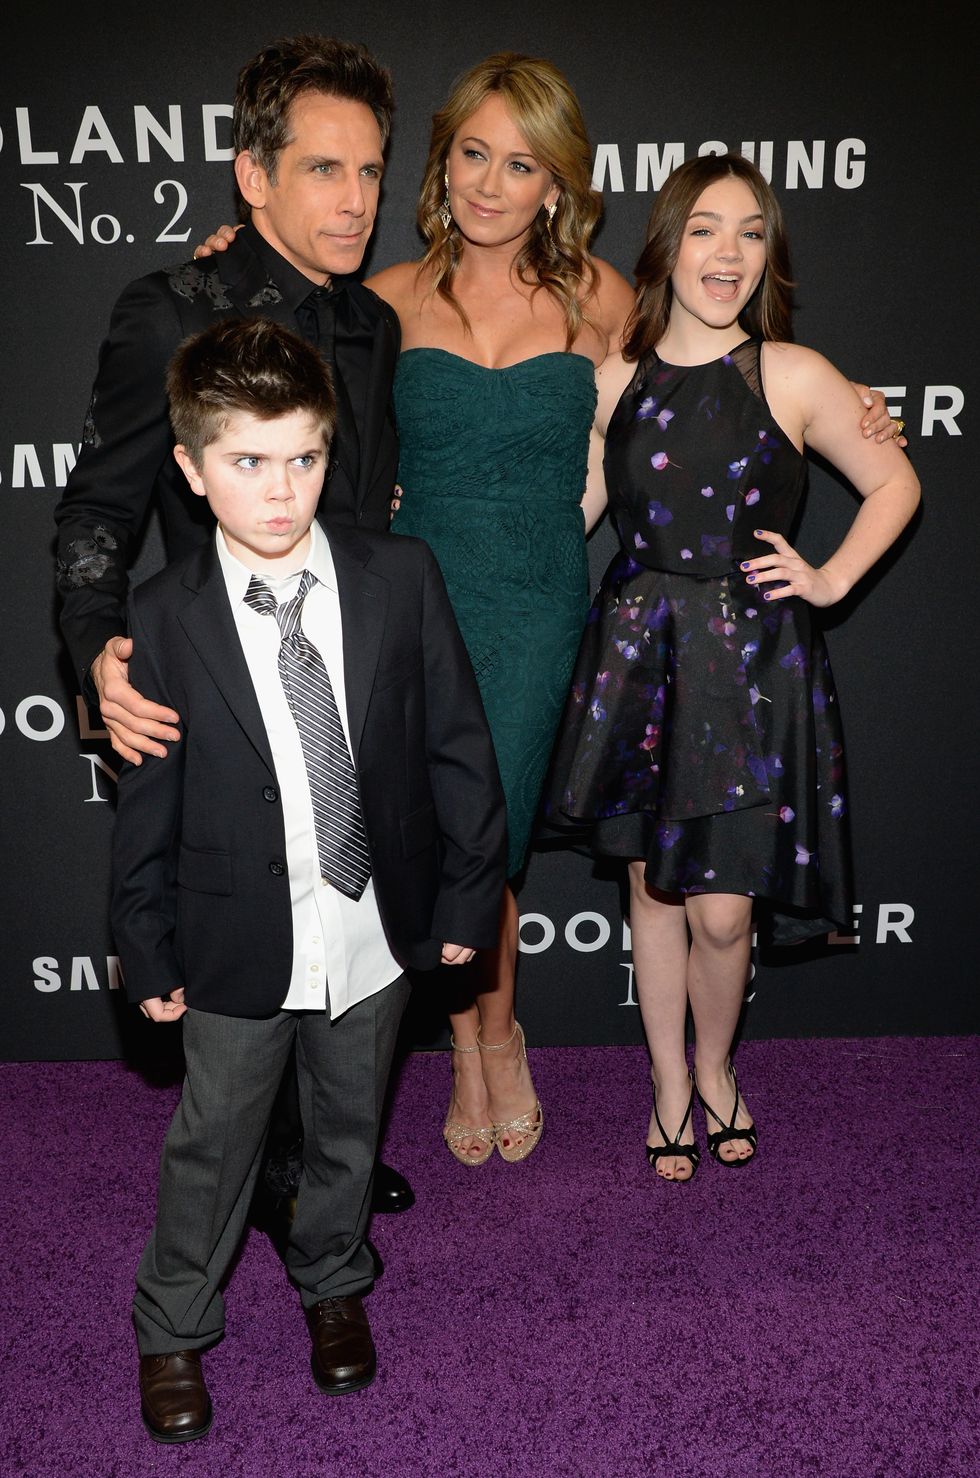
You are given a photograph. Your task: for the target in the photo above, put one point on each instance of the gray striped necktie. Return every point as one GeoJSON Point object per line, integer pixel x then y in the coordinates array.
{"type": "Point", "coordinates": [340, 837]}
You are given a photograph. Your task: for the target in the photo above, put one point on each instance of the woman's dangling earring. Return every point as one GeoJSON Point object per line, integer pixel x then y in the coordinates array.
{"type": "Point", "coordinates": [551, 214]}
{"type": "Point", "coordinates": [445, 214]}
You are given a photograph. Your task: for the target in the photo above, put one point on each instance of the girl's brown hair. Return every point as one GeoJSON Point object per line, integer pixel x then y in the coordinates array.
{"type": "Point", "coordinates": [767, 314]}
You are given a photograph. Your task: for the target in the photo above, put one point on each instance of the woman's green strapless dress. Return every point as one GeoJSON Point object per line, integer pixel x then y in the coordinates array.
{"type": "Point", "coordinates": [493, 465]}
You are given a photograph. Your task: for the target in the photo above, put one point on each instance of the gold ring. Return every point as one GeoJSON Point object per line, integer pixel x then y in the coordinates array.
{"type": "Point", "coordinates": [898, 424]}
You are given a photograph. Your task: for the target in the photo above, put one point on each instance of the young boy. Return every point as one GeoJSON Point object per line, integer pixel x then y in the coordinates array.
{"type": "Point", "coordinates": [331, 815]}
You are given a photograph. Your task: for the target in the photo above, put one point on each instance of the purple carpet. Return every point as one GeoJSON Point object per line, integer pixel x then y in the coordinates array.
{"type": "Point", "coordinates": [814, 1314]}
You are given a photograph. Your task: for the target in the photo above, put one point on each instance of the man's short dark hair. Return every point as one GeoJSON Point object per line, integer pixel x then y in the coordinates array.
{"type": "Point", "coordinates": [271, 82]}
{"type": "Point", "coordinates": [248, 366]}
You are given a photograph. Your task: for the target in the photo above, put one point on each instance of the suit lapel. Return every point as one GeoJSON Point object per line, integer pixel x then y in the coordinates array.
{"type": "Point", "coordinates": [363, 611]}
{"type": "Point", "coordinates": [210, 627]}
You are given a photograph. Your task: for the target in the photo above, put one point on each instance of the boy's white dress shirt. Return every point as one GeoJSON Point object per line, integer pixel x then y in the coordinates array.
{"type": "Point", "coordinates": [340, 952]}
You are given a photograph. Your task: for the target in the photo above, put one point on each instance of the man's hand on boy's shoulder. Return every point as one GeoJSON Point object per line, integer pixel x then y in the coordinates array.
{"type": "Point", "coordinates": [159, 1008]}
{"type": "Point", "coordinates": [457, 954]}
{"type": "Point", "coordinates": [133, 721]}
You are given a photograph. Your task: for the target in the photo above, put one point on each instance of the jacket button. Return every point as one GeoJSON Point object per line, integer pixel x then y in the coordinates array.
{"type": "Point", "coordinates": [277, 867]}
{"type": "Point", "coordinates": [270, 793]}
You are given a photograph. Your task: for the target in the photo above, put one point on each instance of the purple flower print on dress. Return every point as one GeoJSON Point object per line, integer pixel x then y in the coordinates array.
{"type": "Point", "coordinates": [708, 492]}
{"type": "Point", "coordinates": [668, 832]}
{"type": "Point", "coordinates": [655, 698]}
{"type": "Point", "coordinates": [597, 711]}
{"type": "Point", "coordinates": [639, 542]}
{"type": "Point", "coordinates": [687, 554]}
{"type": "Point", "coordinates": [802, 856]}
{"type": "Point", "coordinates": [716, 545]}
{"type": "Point", "coordinates": [837, 806]}
{"type": "Point", "coordinates": [660, 460]}
{"type": "Point", "coordinates": [756, 767]}
{"type": "Point", "coordinates": [731, 797]}
{"type": "Point", "coordinates": [767, 445]}
{"type": "Point", "coordinates": [624, 569]}
{"type": "Point", "coordinates": [730, 512]}
{"type": "Point", "coordinates": [627, 649]}
{"type": "Point", "coordinates": [762, 767]}
{"type": "Point", "coordinates": [787, 814]}
{"type": "Point", "coordinates": [719, 626]}
{"type": "Point", "coordinates": [658, 515]}
{"type": "Point", "coordinates": [649, 411]}
{"type": "Point", "coordinates": [652, 737]}
{"type": "Point", "coordinates": [796, 660]}
{"type": "Point", "coordinates": [735, 469]}
{"type": "Point", "coordinates": [656, 617]}
{"type": "Point", "coordinates": [752, 496]}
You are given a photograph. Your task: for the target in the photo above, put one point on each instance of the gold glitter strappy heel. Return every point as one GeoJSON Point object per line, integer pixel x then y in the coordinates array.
{"type": "Point", "coordinates": [530, 1125]}
{"type": "Point", "coordinates": [455, 1133]}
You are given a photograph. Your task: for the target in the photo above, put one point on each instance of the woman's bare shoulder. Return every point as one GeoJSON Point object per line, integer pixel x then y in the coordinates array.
{"type": "Point", "coordinates": [398, 285]}
{"type": "Point", "coordinates": [792, 359]}
{"type": "Point", "coordinates": [614, 296]}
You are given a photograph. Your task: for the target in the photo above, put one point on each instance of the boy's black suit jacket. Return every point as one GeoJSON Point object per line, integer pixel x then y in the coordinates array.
{"type": "Point", "coordinates": [126, 461]}
{"type": "Point", "coordinates": [200, 892]}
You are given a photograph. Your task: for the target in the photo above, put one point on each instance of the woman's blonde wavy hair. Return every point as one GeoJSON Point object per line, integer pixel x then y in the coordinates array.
{"type": "Point", "coordinates": [546, 110]}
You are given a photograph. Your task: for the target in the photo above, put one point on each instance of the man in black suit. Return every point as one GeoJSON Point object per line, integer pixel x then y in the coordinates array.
{"type": "Point", "coordinates": [331, 816]}
{"type": "Point", "coordinates": [311, 121]}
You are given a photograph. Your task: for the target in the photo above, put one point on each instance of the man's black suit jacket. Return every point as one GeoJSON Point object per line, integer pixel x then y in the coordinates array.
{"type": "Point", "coordinates": [126, 459]}
{"type": "Point", "coordinates": [200, 892]}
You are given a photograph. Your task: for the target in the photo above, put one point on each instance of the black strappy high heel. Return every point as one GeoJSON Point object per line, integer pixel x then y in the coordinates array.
{"type": "Point", "coordinates": [673, 1146]}
{"type": "Point", "coordinates": [728, 1132]}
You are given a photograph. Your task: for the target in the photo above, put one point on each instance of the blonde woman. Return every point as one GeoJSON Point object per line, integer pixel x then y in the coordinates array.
{"type": "Point", "coordinates": [504, 321]}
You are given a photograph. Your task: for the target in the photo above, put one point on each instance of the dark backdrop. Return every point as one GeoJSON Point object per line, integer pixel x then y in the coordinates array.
{"type": "Point", "coordinates": [113, 161]}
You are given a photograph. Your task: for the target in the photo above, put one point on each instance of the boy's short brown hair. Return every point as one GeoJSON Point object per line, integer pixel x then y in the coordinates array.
{"type": "Point", "coordinates": [245, 365]}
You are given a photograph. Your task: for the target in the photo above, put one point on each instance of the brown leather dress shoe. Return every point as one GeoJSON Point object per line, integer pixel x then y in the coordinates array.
{"type": "Point", "coordinates": [174, 1400]}
{"type": "Point", "coordinates": [343, 1356]}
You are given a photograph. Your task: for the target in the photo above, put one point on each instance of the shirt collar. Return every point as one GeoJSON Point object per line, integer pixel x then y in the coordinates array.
{"type": "Point", "coordinates": [294, 286]}
{"type": "Point", "coordinates": [319, 561]}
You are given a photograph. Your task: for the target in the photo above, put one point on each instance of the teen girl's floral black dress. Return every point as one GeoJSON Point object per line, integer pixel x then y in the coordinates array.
{"type": "Point", "coordinates": [702, 730]}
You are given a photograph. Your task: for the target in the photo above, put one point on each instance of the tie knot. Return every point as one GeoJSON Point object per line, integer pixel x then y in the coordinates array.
{"type": "Point", "coordinates": [261, 599]}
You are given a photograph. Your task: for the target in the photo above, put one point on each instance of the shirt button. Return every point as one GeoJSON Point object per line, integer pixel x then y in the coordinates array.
{"type": "Point", "coordinates": [270, 793]}
{"type": "Point", "coordinates": [315, 939]}
{"type": "Point", "coordinates": [314, 969]}
{"type": "Point", "coordinates": [277, 867]}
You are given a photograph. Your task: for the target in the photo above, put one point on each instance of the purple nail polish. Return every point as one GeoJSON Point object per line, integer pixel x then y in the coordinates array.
{"type": "Point", "coordinates": [745, 564]}
{"type": "Point", "coordinates": [766, 595]}
{"type": "Point", "coordinates": [750, 579]}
